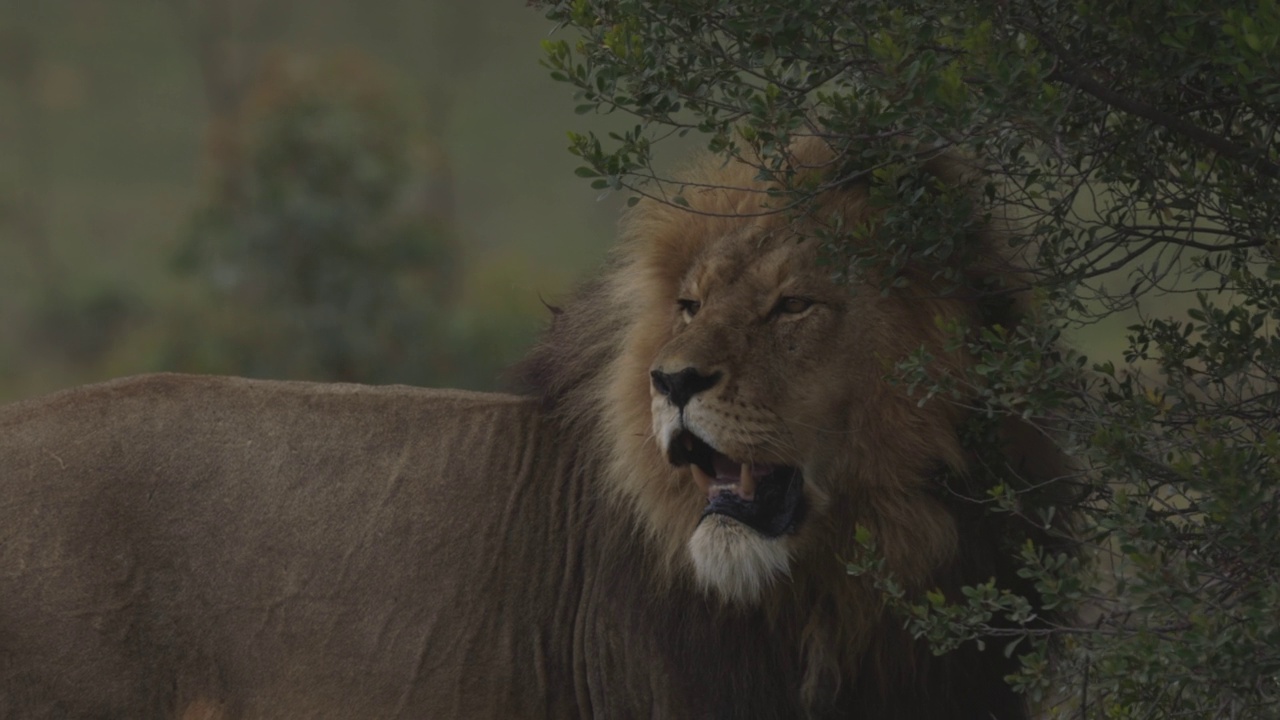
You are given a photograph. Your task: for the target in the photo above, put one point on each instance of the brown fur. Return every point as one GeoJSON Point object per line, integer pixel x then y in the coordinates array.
{"type": "Point", "coordinates": [189, 547]}
{"type": "Point", "coordinates": [811, 391]}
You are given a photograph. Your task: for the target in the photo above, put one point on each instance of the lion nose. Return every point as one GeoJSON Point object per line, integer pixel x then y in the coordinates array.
{"type": "Point", "coordinates": [680, 387]}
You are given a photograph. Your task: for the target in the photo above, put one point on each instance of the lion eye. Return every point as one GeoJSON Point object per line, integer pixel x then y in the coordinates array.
{"type": "Point", "coordinates": [792, 305]}
{"type": "Point", "coordinates": [689, 307]}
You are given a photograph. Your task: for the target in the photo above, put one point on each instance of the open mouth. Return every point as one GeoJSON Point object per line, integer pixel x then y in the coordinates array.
{"type": "Point", "coordinates": [766, 498]}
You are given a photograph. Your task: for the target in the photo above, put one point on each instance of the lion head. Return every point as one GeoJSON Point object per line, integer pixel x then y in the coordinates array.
{"type": "Point", "coordinates": [742, 396]}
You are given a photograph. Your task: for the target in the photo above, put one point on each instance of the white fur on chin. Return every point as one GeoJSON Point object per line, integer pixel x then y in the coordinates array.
{"type": "Point", "coordinates": [734, 561]}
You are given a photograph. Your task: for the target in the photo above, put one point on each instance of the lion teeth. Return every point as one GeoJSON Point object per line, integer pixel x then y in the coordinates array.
{"type": "Point", "coordinates": [702, 479]}
{"type": "Point", "coordinates": [744, 485]}
{"type": "Point", "coordinates": [747, 483]}
{"type": "Point", "coordinates": [719, 488]}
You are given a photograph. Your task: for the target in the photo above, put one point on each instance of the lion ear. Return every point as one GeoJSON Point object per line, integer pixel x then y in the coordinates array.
{"type": "Point", "coordinates": [555, 310]}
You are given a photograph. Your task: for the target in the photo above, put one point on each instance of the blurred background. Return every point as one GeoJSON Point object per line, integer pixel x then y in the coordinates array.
{"type": "Point", "coordinates": [374, 191]}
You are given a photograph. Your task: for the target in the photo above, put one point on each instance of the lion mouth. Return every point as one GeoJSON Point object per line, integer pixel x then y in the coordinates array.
{"type": "Point", "coordinates": [767, 498]}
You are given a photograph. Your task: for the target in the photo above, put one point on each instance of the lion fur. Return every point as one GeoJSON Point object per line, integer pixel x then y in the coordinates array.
{"type": "Point", "coordinates": [238, 548]}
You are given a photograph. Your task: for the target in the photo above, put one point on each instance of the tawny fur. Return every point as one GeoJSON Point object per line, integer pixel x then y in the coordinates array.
{"type": "Point", "coordinates": [872, 453]}
{"type": "Point", "coordinates": [177, 546]}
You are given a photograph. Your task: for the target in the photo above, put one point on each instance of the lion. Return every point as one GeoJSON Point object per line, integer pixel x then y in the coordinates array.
{"type": "Point", "coordinates": [659, 529]}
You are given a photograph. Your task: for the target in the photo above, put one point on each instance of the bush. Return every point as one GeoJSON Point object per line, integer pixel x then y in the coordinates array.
{"type": "Point", "coordinates": [320, 252]}
{"type": "Point", "coordinates": [1132, 148]}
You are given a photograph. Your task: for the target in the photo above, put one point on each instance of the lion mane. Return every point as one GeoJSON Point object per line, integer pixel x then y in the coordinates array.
{"type": "Point", "coordinates": [817, 402]}
{"type": "Point", "coordinates": [660, 529]}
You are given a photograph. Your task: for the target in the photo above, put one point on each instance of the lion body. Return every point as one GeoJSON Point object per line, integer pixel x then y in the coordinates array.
{"type": "Point", "coordinates": [659, 531]}
{"type": "Point", "coordinates": [301, 550]}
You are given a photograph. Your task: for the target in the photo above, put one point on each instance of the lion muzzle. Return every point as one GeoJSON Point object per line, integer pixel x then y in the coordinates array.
{"type": "Point", "coordinates": [765, 497]}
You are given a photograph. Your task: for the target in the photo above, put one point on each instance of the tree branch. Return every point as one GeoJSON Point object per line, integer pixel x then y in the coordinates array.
{"type": "Point", "coordinates": [1076, 77]}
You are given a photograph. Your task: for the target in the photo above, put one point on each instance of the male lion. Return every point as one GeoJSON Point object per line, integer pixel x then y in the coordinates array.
{"type": "Point", "coordinates": [661, 532]}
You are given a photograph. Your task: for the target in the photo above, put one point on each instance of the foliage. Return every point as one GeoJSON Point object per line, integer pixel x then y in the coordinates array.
{"type": "Point", "coordinates": [104, 113]}
{"type": "Point", "coordinates": [319, 246]}
{"type": "Point", "coordinates": [1134, 146]}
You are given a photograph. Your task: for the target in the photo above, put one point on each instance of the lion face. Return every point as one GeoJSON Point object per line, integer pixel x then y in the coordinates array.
{"type": "Point", "coordinates": [755, 422]}
{"type": "Point", "coordinates": [763, 419]}
{"type": "Point", "coordinates": [738, 395]}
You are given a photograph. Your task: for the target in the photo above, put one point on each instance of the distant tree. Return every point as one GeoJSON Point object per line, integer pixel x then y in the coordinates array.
{"type": "Point", "coordinates": [323, 256]}
{"type": "Point", "coordinates": [1134, 146]}
{"type": "Point", "coordinates": [230, 40]}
